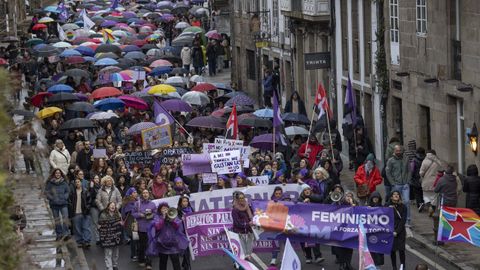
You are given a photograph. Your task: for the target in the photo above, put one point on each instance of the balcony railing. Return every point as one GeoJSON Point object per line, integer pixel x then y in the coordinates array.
{"type": "Point", "coordinates": [305, 8]}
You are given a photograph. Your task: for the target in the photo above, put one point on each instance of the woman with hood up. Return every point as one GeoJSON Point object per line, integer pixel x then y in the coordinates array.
{"type": "Point", "coordinates": [399, 233]}
{"type": "Point", "coordinates": [144, 212]}
{"type": "Point", "coordinates": [367, 178]}
{"type": "Point", "coordinates": [129, 222]}
{"type": "Point", "coordinates": [295, 104]}
{"type": "Point", "coordinates": [58, 192]}
{"type": "Point", "coordinates": [375, 200]}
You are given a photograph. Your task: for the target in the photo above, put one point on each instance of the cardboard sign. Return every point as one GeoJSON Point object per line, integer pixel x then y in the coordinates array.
{"type": "Point", "coordinates": [226, 162]}
{"type": "Point", "coordinates": [222, 145]}
{"type": "Point", "coordinates": [143, 158]}
{"type": "Point", "coordinates": [99, 153]}
{"type": "Point", "coordinates": [209, 178]}
{"type": "Point", "coordinates": [156, 137]}
{"type": "Point", "coordinates": [259, 180]}
{"type": "Point", "coordinates": [195, 163]}
{"type": "Point", "coordinates": [110, 232]}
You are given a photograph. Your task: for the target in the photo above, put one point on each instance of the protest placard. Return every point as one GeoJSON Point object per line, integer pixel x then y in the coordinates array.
{"type": "Point", "coordinates": [226, 162]}
{"type": "Point", "coordinates": [110, 232]}
{"type": "Point", "coordinates": [156, 137]}
{"type": "Point", "coordinates": [143, 158]}
{"type": "Point", "coordinates": [99, 153]}
{"type": "Point", "coordinates": [195, 163]}
{"type": "Point", "coordinates": [259, 180]}
{"type": "Point", "coordinates": [209, 178]}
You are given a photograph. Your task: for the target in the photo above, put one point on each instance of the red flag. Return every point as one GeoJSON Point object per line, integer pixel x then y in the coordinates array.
{"type": "Point", "coordinates": [321, 102]}
{"type": "Point", "coordinates": [232, 124]}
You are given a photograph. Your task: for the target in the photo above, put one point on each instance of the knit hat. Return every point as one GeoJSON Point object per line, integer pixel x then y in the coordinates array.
{"type": "Point", "coordinates": [278, 174]}
{"type": "Point", "coordinates": [242, 175]}
{"type": "Point", "coordinates": [224, 177]}
{"type": "Point", "coordinates": [370, 157]}
{"type": "Point", "coordinates": [303, 172]}
{"type": "Point", "coordinates": [177, 179]}
{"type": "Point", "coordinates": [130, 191]}
{"type": "Point", "coordinates": [305, 187]}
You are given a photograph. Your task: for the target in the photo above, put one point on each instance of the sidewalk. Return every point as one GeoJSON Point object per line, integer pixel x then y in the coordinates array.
{"type": "Point", "coordinates": [461, 256]}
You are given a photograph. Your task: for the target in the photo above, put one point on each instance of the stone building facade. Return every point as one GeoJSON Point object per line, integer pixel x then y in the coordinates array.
{"type": "Point", "coordinates": [433, 48]}
{"type": "Point", "coordinates": [12, 13]}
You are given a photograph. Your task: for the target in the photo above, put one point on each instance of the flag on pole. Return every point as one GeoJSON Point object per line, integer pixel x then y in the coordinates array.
{"type": "Point", "coordinates": [290, 260]}
{"type": "Point", "coordinates": [365, 260]}
{"type": "Point", "coordinates": [61, 34]}
{"type": "Point", "coordinates": [162, 116]}
{"type": "Point", "coordinates": [351, 103]}
{"type": "Point", "coordinates": [232, 124]}
{"type": "Point", "coordinates": [108, 38]}
{"type": "Point", "coordinates": [277, 118]}
{"type": "Point", "coordinates": [321, 102]}
{"type": "Point", "coordinates": [87, 23]}
{"type": "Point", "coordinates": [234, 242]}
{"type": "Point", "coordinates": [459, 225]}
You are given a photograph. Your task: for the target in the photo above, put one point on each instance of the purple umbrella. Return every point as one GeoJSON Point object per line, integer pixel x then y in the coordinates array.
{"type": "Point", "coordinates": [108, 23]}
{"type": "Point", "coordinates": [129, 14]}
{"type": "Point", "coordinates": [176, 105]}
{"type": "Point", "coordinates": [81, 97]}
{"type": "Point", "coordinates": [265, 141]}
{"type": "Point", "coordinates": [137, 128]}
{"type": "Point", "coordinates": [207, 122]}
{"type": "Point", "coordinates": [134, 102]}
{"type": "Point", "coordinates": [240, 100]}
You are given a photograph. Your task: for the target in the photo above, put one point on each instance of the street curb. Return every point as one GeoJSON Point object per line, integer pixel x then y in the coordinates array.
{"type": "Point", "coordinates": [442, 253]}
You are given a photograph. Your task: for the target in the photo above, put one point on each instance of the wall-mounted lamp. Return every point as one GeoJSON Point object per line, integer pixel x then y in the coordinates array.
{"type": "Point", "coordinates": [473, 137]}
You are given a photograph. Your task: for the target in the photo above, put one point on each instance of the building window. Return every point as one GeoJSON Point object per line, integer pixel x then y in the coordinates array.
{"type": "Point", "coordinates": [394, 33]}
{"type": "Point", "coordinates": [422, 17]}
{"type": "Point", "coordinates": [251, 65]}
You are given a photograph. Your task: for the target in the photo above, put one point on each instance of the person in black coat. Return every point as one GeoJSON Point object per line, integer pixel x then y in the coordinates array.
{"type": "Point", "coordinates": [360, 150]}
{"type": "Point", "coordinates": [399, 233]}
{"type": "Point", "coordinates": [471, 186]}
{"type": "Point", "coordinates": [375, 200]}
{"type": "Point", "coordinates": [295, 104]}
{"type": "Point", "coordinates": [79, 204]}
{"type": "Point", "coordinates": [84, 158]}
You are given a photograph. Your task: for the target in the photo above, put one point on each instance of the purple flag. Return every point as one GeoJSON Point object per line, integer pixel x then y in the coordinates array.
{"type": "Point", "coordinates": [63, 16]}
{"type": "Point", "coordinates": [350, 102]}
{"type": "Point", "coordinates": [162, 116]}
{"type": "Point", "coordinates": [277, 119]}
{"type": "Point", "coordinates": [114, 4]}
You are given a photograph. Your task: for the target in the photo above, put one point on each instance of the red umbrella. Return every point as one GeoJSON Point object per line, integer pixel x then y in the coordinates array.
{"type": "Point", "coordinates": [39, 26]}
{"type": "Point", "coordinates": [160, 63]}
{"type": "Point", "coordinates": [134, 102]}
{"type": "Point", "coordinates": [75, 60]}
{"type": "Point", "coordinates": [139, 42]}
{"type": "Point", "coordinates": [204, 87]}
{"type": "Point", "coordinates": [38, 99]}
{"type": "Point", "coordinates": [105, 92]}
{"type": "Point", "coordinates": [3, 61]}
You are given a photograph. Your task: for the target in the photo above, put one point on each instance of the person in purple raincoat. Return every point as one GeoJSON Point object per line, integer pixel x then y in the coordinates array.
{"type": "Point", "coordinates": [144, 212]}
{"type": "Point", "coordinates": [130, 225]}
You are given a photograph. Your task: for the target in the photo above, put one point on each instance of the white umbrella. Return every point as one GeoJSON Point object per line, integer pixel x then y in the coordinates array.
{"type": "Point", "coordinates": [62, 44]}
{"type": "Point", "coordinates": [70, 26]}
{"type": "Point", "coordinates": [154, 52]}
{"type": "Point", "coordinates": [296, 130]}
{"type": "Point", "coordinates": [175, 80]}
{"type": "Point", "coordinates": [103, 115]}
{"type": "Point", "coordinates": [119, 33]}
{"type": "Point", "coordinates": [182, 25]}
{"type": "Point", "coordinates": [196, 98]}
{"type": "Point", "coordinates": [197, 78]}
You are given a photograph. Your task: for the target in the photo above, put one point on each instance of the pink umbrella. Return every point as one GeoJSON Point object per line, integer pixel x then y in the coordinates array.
{"type": "Point", "coordinates": [214, 36]}
{"type": "Point", "coordinates": [161, 63]}
{"type": "Point", "coordinates": [134, 102]}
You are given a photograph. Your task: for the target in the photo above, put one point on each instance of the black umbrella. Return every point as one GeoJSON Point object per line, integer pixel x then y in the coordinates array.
{"type": "Point", "coordinates": [62, 97]}
{"type": "Point", "coordinates": [81, 106]}
{"type": "Point", "coordinates": [108, 48]}
{"type": "Point", "coordinates": [77, 123]}
{"type": "Point", "coordinates": [178, 70]}
{"type": "Point", "coordinates": [296, 118]}
{"type": "Point", "coordinates": [256, 122]}
{"type": "Point", "coordinates": [240, 109]}
{"type": "Point", "coordinates": [46, 51]}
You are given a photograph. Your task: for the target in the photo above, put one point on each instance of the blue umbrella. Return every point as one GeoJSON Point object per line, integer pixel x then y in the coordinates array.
{"type": "Point", "coordinates": [160, 70]}
{"type": "Point", "coordinates": [265, 113]}
{"type": "Point", "coordinates": [106, 62]}
{"type": "Point", "coordinates": [109, 104]}
{"type": "Point", "coordinates": [60, 88]}
{"type": "Point", "coordinates": [68, 53]}
{"type": "Point", "coordinates": [84, 50]}
{"type": "Point", "coordinates": [131, 48]}
{"type": "Point", "coordinates": [53, 9]}
{"type": "Point", "coordinates": [90, 59]}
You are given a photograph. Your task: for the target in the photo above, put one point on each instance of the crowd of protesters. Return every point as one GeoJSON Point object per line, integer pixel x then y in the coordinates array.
{"type": "Point", "coordinates": [85, 192]}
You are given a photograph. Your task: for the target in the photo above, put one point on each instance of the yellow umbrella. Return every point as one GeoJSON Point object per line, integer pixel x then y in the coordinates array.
{"type": "Point", "coordinates": [162, 89]}
{"type": "Point", "coordinates": [48, 112]}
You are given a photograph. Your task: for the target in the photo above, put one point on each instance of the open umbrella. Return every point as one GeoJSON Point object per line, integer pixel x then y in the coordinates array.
{"type": "Point", "coordinates": [39, 26]}
{"type": "Point", "coordinates": [62, 97]}
{"type": "Point", "coordinates": [108, 48]}
{"type": "Point", "coordinates": [204, 87]}
{"type": "Point", "coordinates": [160, 71]}
{"type": "Point", "coordinates": [135, 55]}
{"type": "Point", "coordinates": [77, 73]}
{"type": "Point", "coordinates": [256, 122]}
{"type": "Point", "coordinates": [265, 113]}
{"type": "Point", "coordinates": [161, 89]}
{"type": "Point", "coordinates": [103, 115]}
{"type": "Point", "coordinates": [38, 99]}
{"type": "Point", "coordinates": [296, 118]}
{"type": "Point", "coordinates": [137, 128]}
{"type": "Point", "coordinates": [242, 100]}
{"type": "Point", "coordinates": [68, 53]}
{"type": "Point", "coordinates": [105, 92]}
{"type": "Point", "coordinates": [77, 123]}
{"type": "Point", "coordinates": [60, 88]}
{"type": "Point", "coordinates": [197, 78]}
{"type": "Point", "coordinates": [196, 98]}
{"type": "Point", "coordinates": [176, 105]}
{"type": "Point", "coordinates": [81, 106]}
{"type": "Point", "coordinates": [109, 104]}
{"type": "Point", "coordinates": [62, 44]}
{"type": "Point", "coordinates": [48, 112]}
{"type": "Point", "coordinates": [182, 25]}
{"type": "Point", "coordinates": [207, 122]}
{"type": "Point", "coordinates": [296, 130]}
{"type": "Point", "coordinates": [265, 141]}
{"type": "Point", "coordinates": [134, 102]}
{"type": "Point", "coordinates": [106, 62]}
{"type": "Point", "coordinates": [177, 80]}
{"type": "Point", "coordinates": [161, 63]}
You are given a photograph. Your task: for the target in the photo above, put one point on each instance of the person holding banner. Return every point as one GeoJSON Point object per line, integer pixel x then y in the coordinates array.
{"type": "Point", "coordinates": [110, 222]}
{"type": "Point", "coordinates": [242, 222]}
{"type": "Point", "coordinates": [183, 208]}
{"type": "Point", "coordinates": [375, 200]}
{"type": "Point", "coordinates": [400, 215]}
{"type": "Point", "coordinates": [222, 183]}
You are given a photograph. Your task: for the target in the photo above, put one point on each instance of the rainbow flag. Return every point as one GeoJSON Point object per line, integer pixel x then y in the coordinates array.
{"type": "Point", "coordinates": [108, 38]}
{"type": "Point", "coordinates": [459, 225]}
